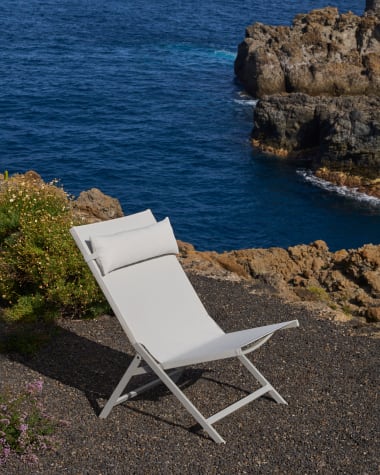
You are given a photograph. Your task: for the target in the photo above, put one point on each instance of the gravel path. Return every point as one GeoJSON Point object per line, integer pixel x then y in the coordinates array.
{"type": "Point", "coordinates": [328, 373]}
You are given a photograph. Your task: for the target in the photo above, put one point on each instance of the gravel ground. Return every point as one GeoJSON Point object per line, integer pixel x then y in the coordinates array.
{"type": "Point", "coordinates": [328, 373]}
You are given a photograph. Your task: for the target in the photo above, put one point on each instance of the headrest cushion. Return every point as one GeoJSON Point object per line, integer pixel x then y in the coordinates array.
{"type": "Point", "coordinates": [129, 247]}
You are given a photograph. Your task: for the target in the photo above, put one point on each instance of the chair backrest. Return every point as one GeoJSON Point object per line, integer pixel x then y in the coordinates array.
{"type": "Point", "coordinates": [154, 301]}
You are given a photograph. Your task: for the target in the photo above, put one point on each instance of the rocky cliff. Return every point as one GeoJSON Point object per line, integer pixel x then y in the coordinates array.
{"type": "Point", "coordinates": [373, 6]}
{"type": "Point", "coordinates": [334, 134]}
{"type": "Point", "coordinates": [319, 85]}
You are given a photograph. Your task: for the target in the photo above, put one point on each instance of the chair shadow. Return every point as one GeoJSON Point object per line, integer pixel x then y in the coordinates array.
{"type": "Point", "coordinates": [237, 388]}
{"type": "Point", "coordinates": [95, 370]}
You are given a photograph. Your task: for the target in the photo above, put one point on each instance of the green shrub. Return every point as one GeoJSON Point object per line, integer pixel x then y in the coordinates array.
{"type": "Point", "coordinates": [319, 293]}
{"type": "Point", "coordinates": [42, 273]}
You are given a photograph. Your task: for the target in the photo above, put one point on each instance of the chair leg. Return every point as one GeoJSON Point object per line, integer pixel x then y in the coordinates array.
{"type": "Point", "coordinates": [189, 406]}
{"type": "Point", "coordinates": [112, 401]}
{"type": "Point", "coordinates": [133, 370]}
{"type": "Point", "coordinates": [170, 382]}
{"type": "Point", "coordinates": [263, 381]}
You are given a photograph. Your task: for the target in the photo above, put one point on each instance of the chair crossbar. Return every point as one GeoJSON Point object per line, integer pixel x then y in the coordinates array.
{"type": "Point", "coordinates": [206, 423]}
{"type": "Point", "coordinates": [238, 404]}
{"type": "Point", "coordinates": [174, 374]}
{"type": "Point", "coordinates": [262, 380]}
{"type": "Point", "coordinates": [134, 369]}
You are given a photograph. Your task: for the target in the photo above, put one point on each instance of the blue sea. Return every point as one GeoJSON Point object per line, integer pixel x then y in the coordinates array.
{"type": "Point", "coordinates": [138, 98]}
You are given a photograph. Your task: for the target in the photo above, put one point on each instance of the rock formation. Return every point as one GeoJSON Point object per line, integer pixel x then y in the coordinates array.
{"type": "Point", "coordinates": [373, 6]}
{"type": "Point", "coordinates": [346, 281]}
{"type": "Point", "coordinates": [340, 132]}
{"type": "Point", "coordinates": [319, 85]}
{"type": "Point", "coordinates": [322, 53]}
{"type": "Point", "coordinates": [93, 205]}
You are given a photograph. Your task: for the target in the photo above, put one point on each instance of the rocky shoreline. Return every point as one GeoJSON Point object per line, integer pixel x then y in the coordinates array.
{"type": "Point", "coordinates": [345, 285]}
{"type": "Point", "coordinates": [318, 84]}
{"type": "Point", "coordinates": [369, 186]}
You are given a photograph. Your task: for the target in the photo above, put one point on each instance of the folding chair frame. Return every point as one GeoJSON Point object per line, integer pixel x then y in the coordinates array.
{"type": "Point", "coordinates": [169, 378]}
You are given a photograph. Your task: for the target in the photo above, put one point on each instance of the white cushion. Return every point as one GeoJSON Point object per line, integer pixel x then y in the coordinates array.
{"type": "Point", "coordinates": [129, 247]}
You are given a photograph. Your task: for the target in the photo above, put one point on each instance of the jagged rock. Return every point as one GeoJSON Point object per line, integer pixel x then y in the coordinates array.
{"type": "Point", "coordinates": [31, 176]}
{"type": "Point", "coordinates": [322, 53]}
{"type": "Point", "coordinates": [346, 280]}
{"type": "Point", "coordinates": [319, 85]}
{"type": "Point", "coordinates": [364, 184]}
{"type": "Point", "coordinates": [373, 314]}
{"type": "Point", "coordinates": [334, 131]}
{"type": "Point", "coordinates": [93, 205]}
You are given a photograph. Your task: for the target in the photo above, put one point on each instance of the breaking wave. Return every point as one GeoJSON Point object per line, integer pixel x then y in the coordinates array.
{"type": "Point", "coordinates": [344, 191]}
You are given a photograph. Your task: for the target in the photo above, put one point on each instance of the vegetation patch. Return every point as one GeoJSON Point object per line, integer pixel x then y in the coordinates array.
{"type": "Point", "coordinates": [25, 429]}
{"type": "Point", "coordinates": [42, 273]}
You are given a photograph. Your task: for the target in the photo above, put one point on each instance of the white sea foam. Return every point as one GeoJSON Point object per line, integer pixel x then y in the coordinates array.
{"type": "Point", "coordinates": [246, 102]}
{"type": "Point", "coordinates": [344, 191]}
{"type": "Point", "coordinates": [246, 99]}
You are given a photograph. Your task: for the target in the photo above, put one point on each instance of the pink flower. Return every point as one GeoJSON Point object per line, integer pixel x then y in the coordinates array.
{"type": "Point", "coordinates": [5, 453]}
{"type": "Point", "coordinates": [35, 387]}
{"type": "Point", "coordinates": [30, 459]}
{"type": "Point", "coordinates": [23, 427]}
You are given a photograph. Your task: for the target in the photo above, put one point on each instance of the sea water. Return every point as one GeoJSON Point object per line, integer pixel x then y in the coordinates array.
{"type": "Point", "coordinates": [139, 99]}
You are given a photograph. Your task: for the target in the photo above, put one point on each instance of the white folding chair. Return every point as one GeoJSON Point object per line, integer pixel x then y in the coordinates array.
{"type": "Point", "coordinates": [133, 260]}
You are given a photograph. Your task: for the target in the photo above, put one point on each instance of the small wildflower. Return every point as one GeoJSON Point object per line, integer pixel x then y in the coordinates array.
{"type": "Point", "coordinates": [35, 386]}
{"type": "Point", "coordinates": [4, 454]}
{"type": "Point", "coordinates": [23, 427]}
{"type": "Point", "coordinates": [30, 459]}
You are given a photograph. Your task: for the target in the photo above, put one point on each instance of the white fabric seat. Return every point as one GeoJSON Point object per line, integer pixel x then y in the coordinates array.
{"type": "Point", "coordinates": [160, 311]}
